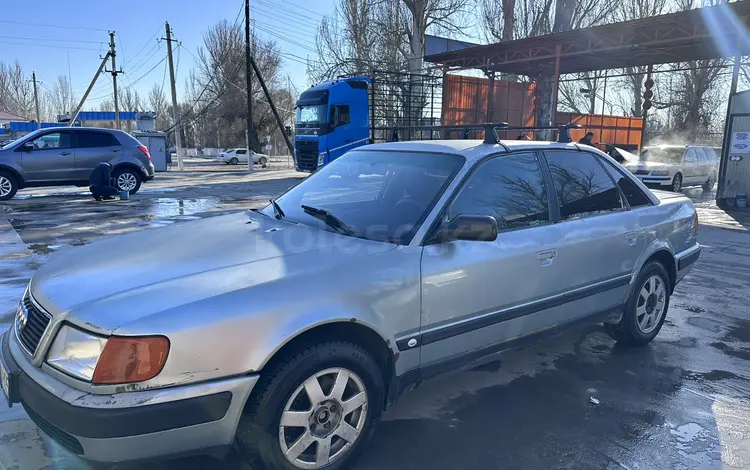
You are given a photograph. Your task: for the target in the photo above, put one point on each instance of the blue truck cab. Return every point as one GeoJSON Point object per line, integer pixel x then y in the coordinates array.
{"type": "Point", "coordinates": [332, 118]}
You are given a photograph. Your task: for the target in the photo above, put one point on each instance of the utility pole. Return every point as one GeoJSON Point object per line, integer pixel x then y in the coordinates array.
{"type": "Point", "coordinates": [175, 112]}
{"type": "Point", "coordinates": [36, 101]}
{"type": "Point", "coordinates": [114, 73]}
{"type": "Point", "coordinates": [74, 115]}
{"type": "Point", "coordinates": [248, 84]}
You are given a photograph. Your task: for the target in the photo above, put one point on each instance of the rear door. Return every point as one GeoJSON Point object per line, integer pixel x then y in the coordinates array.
{"type": "Point", "coordinates": [92, 148]}
{"type": "Point", "coordinates": [690, 168]}
{"type": "Point", "coordinates": [52, 158]}
{"type": "Point", "coordinates": [476, 294]}
{"type": "Point", "coordinates": [601, 238]}
{"type": "Point", "coordinates": [704, 165]}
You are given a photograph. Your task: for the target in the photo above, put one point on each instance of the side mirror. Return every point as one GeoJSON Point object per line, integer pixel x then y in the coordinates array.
{"type": "Point", "coordinates": [28, 147]}
{"type": "Point", "coordinates": [477, 228]}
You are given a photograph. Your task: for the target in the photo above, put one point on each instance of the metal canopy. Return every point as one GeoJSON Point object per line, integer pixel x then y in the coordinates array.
{"type": "Point", "coordinates": [704, 33]}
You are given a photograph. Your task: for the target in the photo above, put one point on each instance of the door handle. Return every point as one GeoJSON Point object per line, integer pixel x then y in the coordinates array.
{"type": "Point", "coordinates": [115, 150]}
{"type": "Point", "coordinates": [65, 153]}
{"type": "Point", "coordinates": [632, 238]}
{"type": "Point", "coordinates": [546, 257]}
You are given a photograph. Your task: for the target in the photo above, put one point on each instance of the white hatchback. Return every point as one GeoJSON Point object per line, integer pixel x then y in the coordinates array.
{"type": "Point", "coordinates": [239, 155]}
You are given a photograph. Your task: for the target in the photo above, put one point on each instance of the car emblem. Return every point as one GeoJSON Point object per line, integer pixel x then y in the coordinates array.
{"type": "Point", "coordinates": [22, 318]}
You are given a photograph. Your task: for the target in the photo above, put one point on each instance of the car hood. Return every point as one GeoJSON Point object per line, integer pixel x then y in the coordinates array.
{"type": "Point", "coordinates": [118, 280]}
{"type": "Point", "coordinates": [646, 165]}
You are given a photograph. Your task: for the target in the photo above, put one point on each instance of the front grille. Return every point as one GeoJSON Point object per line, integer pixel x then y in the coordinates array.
{"type": "Point", "coordinates": [307, 154]}
{"type": "Point", "coordinates": [58, 435]}
{"type": "Point", "coordinates": [642, 172]}
{"type": "Point", "coordinates": [31, 322]}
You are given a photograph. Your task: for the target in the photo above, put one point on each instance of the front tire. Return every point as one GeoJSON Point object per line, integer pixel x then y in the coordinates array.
{"type": "Point", "coordinates": [646, 308]}
{"type": "Point", "coordinates": [263, 161]}
{"type": "Point", "coordinates": [127, 179]}
{"type": "Point", "coordinates": [234, 161]}
{"type": "Point", "coordinates": [677, 183]}
{"type": "Point", "coordinates": [8, 186]}
{"type": "Point", "coordinates": [315, 408]}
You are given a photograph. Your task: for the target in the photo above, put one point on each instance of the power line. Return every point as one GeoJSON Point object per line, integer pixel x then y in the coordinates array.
{"type": "Point", "coordinates": [284, 38]}
{"type": "Point", "coordinates": [49, 45]}
{"type": "Point", "coordinates": [288, 15]}
{"type": "Point", "coordinates": [51, 39]}
{"type": "Point", "coordinates": [288, 4]}
{"type": "Point", "coordinates": [127, 62]}
{"type": "Point", "coordinates": [53, 26]}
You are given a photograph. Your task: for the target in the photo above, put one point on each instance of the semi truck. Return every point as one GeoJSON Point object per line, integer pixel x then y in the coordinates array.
{"type": "Point", "coordinates": [338, 115]}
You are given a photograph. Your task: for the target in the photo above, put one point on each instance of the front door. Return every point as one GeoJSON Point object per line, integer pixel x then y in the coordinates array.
{"type": "Point", "coordinates": [477, 295]}
{"type": "Point", "coordinates": [51, 159]}
{"type": "Point", "coordinates": [601, 238]}
{"type": "Point", "coordinates": [92, 148]}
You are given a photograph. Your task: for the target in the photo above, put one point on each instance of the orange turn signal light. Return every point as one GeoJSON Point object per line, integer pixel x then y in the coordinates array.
{"type": "Point", "coordinates": [128, 359]}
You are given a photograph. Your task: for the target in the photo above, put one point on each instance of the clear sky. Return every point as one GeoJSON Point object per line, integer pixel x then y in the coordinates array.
{"type": "Point", "coordinates": [82, 38]}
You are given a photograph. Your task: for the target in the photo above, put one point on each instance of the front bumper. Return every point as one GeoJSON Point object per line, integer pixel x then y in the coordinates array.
{"type": "Point", "coordinates": [655, 181]}
{"type": "Point", "coordinates": [129, 425]}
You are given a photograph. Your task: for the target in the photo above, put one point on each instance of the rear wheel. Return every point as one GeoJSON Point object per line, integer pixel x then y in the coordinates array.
{"type": "Point", "coordinates": [8, 186]}
{"type": "Point", "coordinates": [646, 308]}
{"type": "Point", "coordinates": [677, 183]}
{"type": "Point", "coordinates": [127, 179]}
{"type": "Point", "coordinates": [709, 185]}
{"type": "Point", "coordinates": [315, 409]}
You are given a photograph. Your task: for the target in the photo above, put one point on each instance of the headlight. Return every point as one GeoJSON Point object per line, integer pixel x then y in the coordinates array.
{"type": "Point", "coordinates": [113, 360]}
{"type": "Point", "coordinates": [321, 158]}
{"type": "Point", "coordinates": [660, 173]}
{"type": "Point", "coordinates": [75, 352]}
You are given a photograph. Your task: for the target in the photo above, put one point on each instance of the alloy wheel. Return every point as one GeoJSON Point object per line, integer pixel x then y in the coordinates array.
{"type": "Point", "coordinates": [6, 186]}
{"type": "Point", "coordinates": [323, 418]}
{"type": "Point", "coordinates": [649, 308]}
{"type": "Point", "coordinates": [126, 181]}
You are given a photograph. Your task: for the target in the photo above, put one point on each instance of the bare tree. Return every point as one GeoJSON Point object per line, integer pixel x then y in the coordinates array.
{"type": "Point", "coordinates": [157, 102]}
{"type": "Point", "coordinates": [498, 19]}
{"type": "Point", "coordinates": [62, 100]}
{"type": "Point", "coordinates": [442, 15]}
{"type": "Point", "coordinates": [16, 91]}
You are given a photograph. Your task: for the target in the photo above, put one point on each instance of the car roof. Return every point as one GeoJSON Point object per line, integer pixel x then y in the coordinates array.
{"type": "Point", "coordinates": [469, 148]}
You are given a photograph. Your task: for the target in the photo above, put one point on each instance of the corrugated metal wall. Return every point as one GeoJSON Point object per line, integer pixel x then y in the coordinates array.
{"type": "Point", "coordinates": [616, 130]}
{"type": "Point", "coordinates": [465, 102]}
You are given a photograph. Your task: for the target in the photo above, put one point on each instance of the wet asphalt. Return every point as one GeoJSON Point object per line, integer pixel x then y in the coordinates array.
{"type": "Point", "coordinates": [577, 401]}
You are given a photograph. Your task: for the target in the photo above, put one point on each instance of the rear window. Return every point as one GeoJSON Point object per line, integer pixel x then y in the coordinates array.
{"type": "Point", "coordinates": [96, 139]}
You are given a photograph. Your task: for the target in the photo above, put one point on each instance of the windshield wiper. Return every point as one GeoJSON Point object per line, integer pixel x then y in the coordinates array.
{"type": "Point", "coordinates": [329, 219]}
{"type": "Point", "coordinates": [279, 214]}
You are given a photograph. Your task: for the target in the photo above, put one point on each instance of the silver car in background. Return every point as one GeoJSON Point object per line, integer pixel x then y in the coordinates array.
{"type": "Point", "coordinates": [287, 331]}
{"type": "Point", "coordinates": [673, 167]}
{"type": "Point", "coordinates": [67, 155]}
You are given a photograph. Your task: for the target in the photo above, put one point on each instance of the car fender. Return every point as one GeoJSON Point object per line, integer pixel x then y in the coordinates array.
{"type": "Point", "coordinates": [16, 172]}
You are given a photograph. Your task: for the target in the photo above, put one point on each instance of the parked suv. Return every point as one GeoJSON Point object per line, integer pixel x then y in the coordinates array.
{"type": "Point", "coordinates": [674, 167]}
{"type": "Point", "coordinates": [67, 156]}
{"type": "Point", "coordinates": [288, 330]}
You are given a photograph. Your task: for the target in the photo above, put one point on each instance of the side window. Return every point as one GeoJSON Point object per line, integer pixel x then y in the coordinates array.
{"type": "Point", "coordinates": [344, 117]}
{"type": "Point", "coordinates": [582, 186]}
{"type": "Point", "coordinates": [711, 154]}
{"type": "Point", "coordinates": [53, 140]}
{"type": "Point", "coordinates": [508, 188]}
{"type": "Point", "coordinates": [241, 152]}
{"type": "Point", "coordinates": [701, 153]}
{"type": "Point", "coordinates": [690, 156]}
{"type": "Point", "coordinates": [96, 139]}
{"type": "Point", "coordinates": [634, 195]}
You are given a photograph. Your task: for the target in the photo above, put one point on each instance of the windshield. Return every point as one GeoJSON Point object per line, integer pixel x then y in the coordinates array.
{"type": "Point", "coordinates": [311, 116]}
{"type": "Point", "coordinates": [382, 196]}
{"type": "Point", "coordinates": [662, 155]}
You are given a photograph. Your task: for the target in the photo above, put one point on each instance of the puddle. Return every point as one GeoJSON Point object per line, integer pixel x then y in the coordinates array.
{"type": "Point", "coordinates": [711, 376]}
{"type": "Point", "coordinates": [706, 324]}
{"type": "Point", "coordinates": [739, 333]}
{"type": "Point", "coordinates": [730, 351]}
{"type": "Point", "coordinates": [169, 207]}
